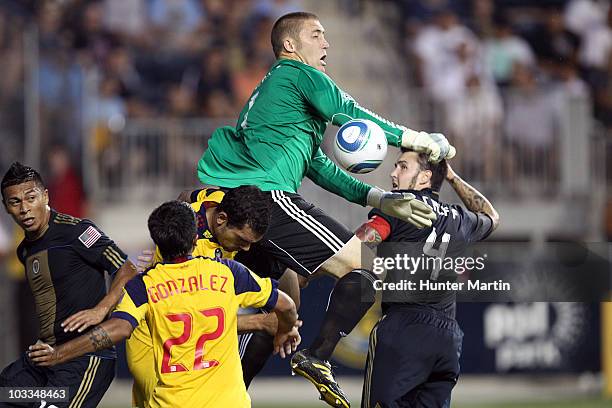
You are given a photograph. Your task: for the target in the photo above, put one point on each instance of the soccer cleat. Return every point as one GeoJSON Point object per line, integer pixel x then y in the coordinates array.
{"type": "Point", "coordinates": [319, 373]}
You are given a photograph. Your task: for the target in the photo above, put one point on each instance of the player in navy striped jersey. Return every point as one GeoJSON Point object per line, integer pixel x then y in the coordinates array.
{"type": "Point", "coordinates": [413, 358]}
{"type": "Point", "coordinates": [65, 259]}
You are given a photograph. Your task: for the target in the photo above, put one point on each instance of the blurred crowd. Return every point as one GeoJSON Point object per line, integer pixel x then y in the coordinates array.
{"type": "Point", "coordinates": [488, 67]}
{"type": "Point", "coordinates": [102, 61]}
{"type": "Point", "coordinates": [509, 67]}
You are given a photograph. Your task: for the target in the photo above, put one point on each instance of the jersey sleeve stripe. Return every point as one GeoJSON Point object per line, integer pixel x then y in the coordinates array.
{"type": "Point", "coordinates": [118, 255]}
{"type": "Point", "coordinates": [125, 316]}
{"type": "Point", "coordinates": [111, 259]}
{"type": "Point", "coordinates": [271, 303]}
{"type": "Point", "coordinates": [112, 253]}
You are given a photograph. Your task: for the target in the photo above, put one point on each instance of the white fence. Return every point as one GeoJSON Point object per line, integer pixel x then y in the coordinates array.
{"type": "Point", "coordinates": [156, 158]}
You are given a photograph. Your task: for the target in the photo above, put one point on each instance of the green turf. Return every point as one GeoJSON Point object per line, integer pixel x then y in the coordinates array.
{"type": "Point", "coordinates": [592, 403]}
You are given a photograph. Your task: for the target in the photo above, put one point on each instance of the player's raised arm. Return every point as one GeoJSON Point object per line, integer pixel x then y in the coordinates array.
{"type": "Point", "coordinates": [326, 174]}
{"type": "Point", "coordinates": [473, 199]}
{"type": "Point", "coordinates": [100, 337]}
{"type": "Point", "coordinates": [339, 107]}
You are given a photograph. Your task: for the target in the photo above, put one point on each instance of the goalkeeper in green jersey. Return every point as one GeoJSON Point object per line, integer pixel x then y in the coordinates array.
{"type": "Point", "coordinates": [275, 144]}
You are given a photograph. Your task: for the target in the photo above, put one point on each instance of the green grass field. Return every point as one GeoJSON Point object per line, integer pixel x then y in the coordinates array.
{"type": "Point", "coordinates": [599, 403]}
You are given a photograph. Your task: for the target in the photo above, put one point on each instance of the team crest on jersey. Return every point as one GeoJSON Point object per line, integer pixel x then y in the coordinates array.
{"type": "Point", "coordinates": [218, 253]}
{"type": "Point", "coordinates": [207, 234]}
{"type": "Point", "coordinates": [35, 266]}
{"type": "Point", "coordinates": [90, 236]}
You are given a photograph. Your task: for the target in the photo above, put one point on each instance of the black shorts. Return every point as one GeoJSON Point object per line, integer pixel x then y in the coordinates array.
{"type": "Point", "coordinates": [300, 236]}
{"type": "Point", "coordinates": [87, 379]}
{"type": "Point", "coordinates": [413, 359]}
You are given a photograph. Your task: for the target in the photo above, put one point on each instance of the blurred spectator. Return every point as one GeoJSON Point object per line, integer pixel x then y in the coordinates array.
{"type": "Point", "coordinates": [215, 76]}
{"type": "Point", "coordinates": [504, 51]}
{"type": "Point", "coordinates": [482, 17]}
{"type": "Point", "coordinates": [418, 12]}
{"type": "Point", "coordinates": [49, 27]}
{"type": "Point", "coordinates": [259, 40]}
{"type": "Point", "coordinates": [447, 53]}
{"type": "Point", "coordinates": [107, 107]}
{"type": "Point", "coordinates": [569, 83]}
{"type": "Point", "coordinates": [120, 65]}
{"type": "Point", "coordinates": [219, 105]}
{"type": "Point", "coordinates": [65, 186]}
{"type": "Point", "coordinates": [582, 15]}
{"type": "Point", "coordinates": [597, 45]}
{"type": "Point", "coordinates": [12, 110]}
{"type": "Point", "coordinates": [181, 102]}
{"type": "Point", "coordinates": [176, 24]}
{"type": "Point", "coordinates": [273, 9]}
{"type": "Point", "coordinates": [473, 121]}
{"type": "Point", "coordinates": [59, 80]}
{"type": "Point", "coordinates": [127, 18]}
{"type": "Point", "coordinates": [553, 42]}
{"type": "Point", "coordinates": [245, 80]}
{"type": "Point", "coordinates": [530, 128]}
{"type": "Point", "coordinates": [90, 37]}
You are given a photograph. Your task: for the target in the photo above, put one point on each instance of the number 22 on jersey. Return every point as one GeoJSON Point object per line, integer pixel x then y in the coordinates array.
{"type": "Point", "coordinates": [199, 362]}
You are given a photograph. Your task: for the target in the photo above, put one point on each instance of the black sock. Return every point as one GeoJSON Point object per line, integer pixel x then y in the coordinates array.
{"type": "Point", "coordinates": [259, 348]}
{"type": "Point", "coordinates": [351, 298]}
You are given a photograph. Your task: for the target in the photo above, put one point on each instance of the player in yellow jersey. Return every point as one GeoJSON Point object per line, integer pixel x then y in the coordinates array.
{"type": "Point", "coordinates": [190, 305]}
{"type": "Point", "coordinates": [226, 222]}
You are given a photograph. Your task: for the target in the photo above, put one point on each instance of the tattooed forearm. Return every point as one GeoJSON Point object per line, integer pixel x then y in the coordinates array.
{"type": "Point", "coordinates": [100, 338]}
{"type": "Point", "coordinates": [473, 199]}
{"type": "Point", "coordinates": [368, 235]}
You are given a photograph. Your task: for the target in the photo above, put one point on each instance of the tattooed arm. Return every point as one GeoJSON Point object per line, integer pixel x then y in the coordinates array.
{"type": "Point", "coordinates": [368, 235]}
{"type": "Point", "coordinates": [373, 232]}
{"type": "Point", "coordinates": [100, 337]}
{"type": "Point", "coordinates": [472, 198]}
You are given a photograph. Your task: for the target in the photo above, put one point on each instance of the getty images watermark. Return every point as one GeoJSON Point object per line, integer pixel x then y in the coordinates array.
{"type": "Point", "coordinates": [492, 272]}
{"type": "Point", "coordinates": [432, 273]}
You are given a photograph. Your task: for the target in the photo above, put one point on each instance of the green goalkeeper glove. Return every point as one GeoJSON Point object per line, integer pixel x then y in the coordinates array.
{"type": "Point", "coordinates": [404, 206]}
{"type": "Point", "coordinates": [434, 144]}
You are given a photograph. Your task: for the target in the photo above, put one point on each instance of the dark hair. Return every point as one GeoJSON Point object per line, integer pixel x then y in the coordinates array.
{"type": "Point", "coordinates": [246, 205]}
{"type": "Point", "coordinates": [438, 170]}
{"type": "Point", "coordinates": [172, 226]}
{"type": "Point", "coordinates": [19, 174]}
{"type": "Point", "coordinates": [288, 25]}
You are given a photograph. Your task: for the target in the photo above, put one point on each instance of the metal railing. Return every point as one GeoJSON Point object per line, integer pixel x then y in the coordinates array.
{"type": "Point", "coordinates": [146, 159]}
{"type": "Point", "coordinates": [155, 158]}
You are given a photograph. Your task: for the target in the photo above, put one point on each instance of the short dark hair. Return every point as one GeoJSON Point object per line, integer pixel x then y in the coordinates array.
{"type": "Point", "coordinates": [288, 25]}
{"type": "Point", "coordinates": [246, 206]}
{"type": "Point", "coordinates": [438, 170]}
{"type": "Point", "coordinates": [19, 174]}
{"type": "Point", "coordinates": [172, 226]}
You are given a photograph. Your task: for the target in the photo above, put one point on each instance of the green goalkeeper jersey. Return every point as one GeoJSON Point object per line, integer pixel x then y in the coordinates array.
{"type": "Point", "coordinates": [276, 142]}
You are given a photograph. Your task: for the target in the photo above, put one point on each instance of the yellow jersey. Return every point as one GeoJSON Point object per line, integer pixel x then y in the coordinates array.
{"type": "Point", "coordinates": [139, 345]}
{"type": "Point", "coordinates": [191, 310]}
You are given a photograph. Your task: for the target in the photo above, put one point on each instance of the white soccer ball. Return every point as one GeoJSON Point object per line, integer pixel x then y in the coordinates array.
{"type": "Point", "coordinates": [360, 146]}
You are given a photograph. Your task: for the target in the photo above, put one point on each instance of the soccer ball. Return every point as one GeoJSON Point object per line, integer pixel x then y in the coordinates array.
{"type": "Point", "coordinates": [360, 146]}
